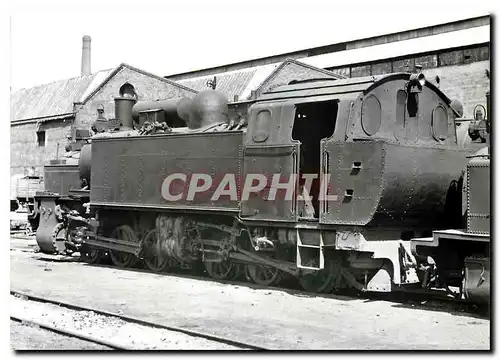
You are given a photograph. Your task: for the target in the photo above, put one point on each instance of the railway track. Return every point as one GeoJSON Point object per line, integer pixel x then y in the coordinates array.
{"type": "Point", "coordinates": [232, 344]}
{"type": "Point", "coordinates": [430, 299]}
{"type": "Point", "coordinates": [70, 333]}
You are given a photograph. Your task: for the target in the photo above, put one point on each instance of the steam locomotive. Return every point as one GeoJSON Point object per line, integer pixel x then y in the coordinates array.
{"type": "Point", "coordinates": [327, 181]}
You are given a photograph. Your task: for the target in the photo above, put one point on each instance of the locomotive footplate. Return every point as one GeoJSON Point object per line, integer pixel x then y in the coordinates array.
{"type": "Point", "coordinates": [114, 244]}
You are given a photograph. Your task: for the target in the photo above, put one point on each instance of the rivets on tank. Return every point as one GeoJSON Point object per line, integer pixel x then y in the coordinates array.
{"type": "Point", "coordinates": [141, 176]}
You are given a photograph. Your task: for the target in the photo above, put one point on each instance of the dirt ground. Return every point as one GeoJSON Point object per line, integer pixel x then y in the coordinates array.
{"type": "Point", "coordinates": [275, 319]}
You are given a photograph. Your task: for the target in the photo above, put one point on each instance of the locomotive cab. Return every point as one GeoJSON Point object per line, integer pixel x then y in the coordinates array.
{"type": "Point", "coordinates": [358, 148]}
{"type": "Point", "coordinates": [361, 150]}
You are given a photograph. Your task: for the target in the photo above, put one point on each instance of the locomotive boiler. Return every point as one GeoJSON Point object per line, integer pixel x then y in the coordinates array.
{"type": "Point", "coordinates": [327, 181]}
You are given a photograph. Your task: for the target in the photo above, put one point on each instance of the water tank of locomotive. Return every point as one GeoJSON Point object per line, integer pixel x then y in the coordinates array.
{"type": "Point", "coordinates": [207, 109]}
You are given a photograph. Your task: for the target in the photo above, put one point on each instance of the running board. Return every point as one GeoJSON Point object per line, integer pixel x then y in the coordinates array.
{"type": "Point", "coordinates": [114, 244]}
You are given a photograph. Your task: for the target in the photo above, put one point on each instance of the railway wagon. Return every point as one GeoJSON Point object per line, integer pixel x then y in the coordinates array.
{"type": "Point", "coordinates": [62, 182]}
{"type": "Point", "coordinates": [327, 182]}
{"type": "Point", "coordinates": [23, 189]}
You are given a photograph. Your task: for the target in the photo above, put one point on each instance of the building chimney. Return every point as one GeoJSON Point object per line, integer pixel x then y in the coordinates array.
{"type": "Point", "coordinates": [86, 55]}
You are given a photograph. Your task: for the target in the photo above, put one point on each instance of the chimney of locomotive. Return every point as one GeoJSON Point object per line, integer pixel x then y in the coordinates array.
{"type": "Point", "coordinates": [123, 111]}
{"type": "Point", "coordinates": [86, 55]}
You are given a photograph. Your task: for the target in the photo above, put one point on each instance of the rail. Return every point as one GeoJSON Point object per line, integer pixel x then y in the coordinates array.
{"type": "Point", "coordinates": [215, 338]}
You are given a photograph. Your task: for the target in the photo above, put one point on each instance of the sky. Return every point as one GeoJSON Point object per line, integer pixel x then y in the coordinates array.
{"type": "Point", "coordinates": [169, 37]}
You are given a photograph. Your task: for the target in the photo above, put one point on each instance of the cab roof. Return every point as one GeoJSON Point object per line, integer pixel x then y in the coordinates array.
{"type": "Point", "coordinates": [350, 87]}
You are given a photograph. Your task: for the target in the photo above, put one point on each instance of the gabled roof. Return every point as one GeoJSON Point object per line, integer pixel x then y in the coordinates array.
{"type": "Point", "coordinates": [324, 73]}
{"type": "Point", "coordinates": [51, 100]}
{"type": "Point", "coordinates": [231, 83]}
{"type": "Point", "coordinates": [55, 100]}
{"type": "Point", "coordinates": [243, 82]}
{"type": "Point", "coordinates": [123, 65]}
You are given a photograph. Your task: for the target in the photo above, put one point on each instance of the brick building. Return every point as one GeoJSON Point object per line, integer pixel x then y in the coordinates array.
{"type": "Point", "coordinates": [45, 116]}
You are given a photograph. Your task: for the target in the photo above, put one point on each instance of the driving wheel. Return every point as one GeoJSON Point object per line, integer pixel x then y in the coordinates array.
{"type": "Point", "coordinates": [154, 259]}
{"type": "Point", "coordinates": [120, 258]}
{"type": "Point", "coordinates": [321, 280]}
{"type": "Point", "coordinates": [263, 275]}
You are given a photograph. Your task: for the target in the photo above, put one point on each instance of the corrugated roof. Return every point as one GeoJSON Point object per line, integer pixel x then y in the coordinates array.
{"type": "Point", "coordinates": [57, 98]}
{"type": "Point", "coordinates": [230, 83]}
{"type": "Point", "coordinates": [96, 82]}
{"type": "Point", "coordinates": [472, 36]}
{"type": "Point", "coordinates": [242, 82]}
{"type": "Point", "coordinates": [262, 73]}
{"type": "Point", "coordinates": [52, 99]}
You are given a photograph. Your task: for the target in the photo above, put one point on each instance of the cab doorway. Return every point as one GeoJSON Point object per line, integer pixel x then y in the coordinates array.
{"type": "Point", "coordinates": [313, 122]}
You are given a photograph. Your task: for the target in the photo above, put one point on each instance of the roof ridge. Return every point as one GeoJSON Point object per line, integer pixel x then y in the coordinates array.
{"type": "Point", "coordinates": [60, 80]}
{"type": "Point", "coordinates": [223, 73]}
{"type": "Point", "coordinates": [280, 67]}
{"type": "Point", "coordinates": [133, 68]}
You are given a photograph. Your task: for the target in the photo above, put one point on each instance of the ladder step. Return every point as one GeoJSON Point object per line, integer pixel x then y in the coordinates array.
{"type": "Point", "coordinates": [310, 246]}
{"type": "Point", "coordinates": [310, 268]}
{"type": "Point", "coordinates": [307, 253]}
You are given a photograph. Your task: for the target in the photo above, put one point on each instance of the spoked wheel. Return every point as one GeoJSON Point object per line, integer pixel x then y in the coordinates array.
{"type": "Point", "coordinates": [239, 270]}
{"type": "Point", "coordinates": [320, 281]}
{"type": "Point", "coordinates": [120, 258]}
{"type": "Point", "coordinates": [221, 270]}
{"type": "Point", "coordinates": [154, 260]}
{"type": "Point", "coordinates": [263, 275]}
{"type": "Point", "coordinates": [90, 255]}
{"type": "Point", "coordinates": [59, 239]}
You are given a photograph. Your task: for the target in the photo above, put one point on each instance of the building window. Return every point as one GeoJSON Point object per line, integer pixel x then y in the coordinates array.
{"type": "Point", "coordinates": [40, 138]}
{"type": "Point", "coordinates": [128, 90]}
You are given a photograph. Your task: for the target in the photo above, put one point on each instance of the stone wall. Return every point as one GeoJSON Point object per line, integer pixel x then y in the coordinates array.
{"type": "Point", "coordinates": [290, 71]}
{"type": "Point", "coordinates": [146, 87]}
{"type": "Point", "coordinates": [25, 151]}
{"type": "Point", "coordinates": [467, 83]}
